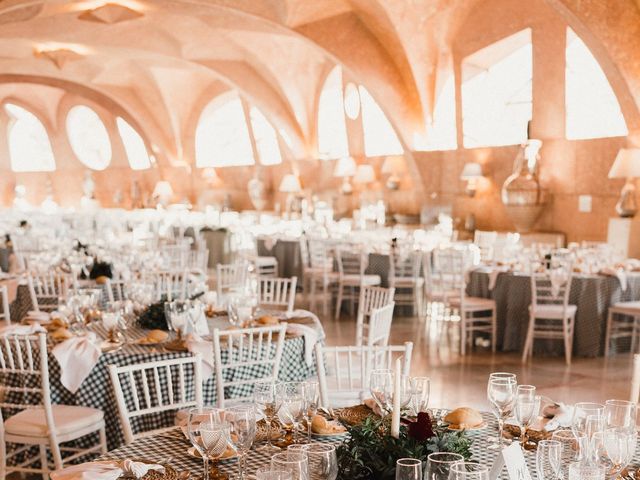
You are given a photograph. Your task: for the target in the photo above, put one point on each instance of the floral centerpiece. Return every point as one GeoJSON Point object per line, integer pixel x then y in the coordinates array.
{"type": "Point", "coordinates": [370, 453]}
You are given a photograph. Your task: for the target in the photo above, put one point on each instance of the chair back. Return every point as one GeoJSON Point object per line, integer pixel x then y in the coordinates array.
{"type": "Point", "coordinates": [257, 349]}
{"type": "Point", "coordinates": [371, 298]}
{"type": "Point", "coordinates": [172, 284]}
{"type": "Point", "coordinates": [198, 261]}
{"type": "Point", "coordinates": [486, 242]}
{"type": "Point", "coordinates": [116, 290]}
{"type": "Point", "coordinates": [449, 265]}
{"type": "Point", "coordinates": [380, 325]}
{"type": "Point", "coordinates": [552, 286]}
{"type": "Point", "coordinates": [46, 287]}
{"type": "Point", "coordinates": [351, 261]}
{"type": "Point", "coordinates": [155, 387]}
{"type": "Point", "coordinates": [277, 292]}
{"type": "Point", "coordinates": [320, 255]}
{"type": "Point", "coordinates": [404, 264]}
{"type": "Point", "coordinates": [344, 372]}
{"type": "Point", "coordinates": [4, 302]}
{"type": "Point", "coordinates": [229, 277]}
{"type": "Point", "coordinates": [175, 257]}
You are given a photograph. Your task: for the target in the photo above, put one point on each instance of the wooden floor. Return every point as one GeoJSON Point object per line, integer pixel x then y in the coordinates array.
{"type": "Point", "coordinates": [461, 381]}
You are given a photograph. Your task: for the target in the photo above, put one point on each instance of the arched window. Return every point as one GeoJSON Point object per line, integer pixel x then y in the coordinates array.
{"type": "Point", "coordinates": [379, 136]}
{"type": "Point", "coordinates": [332, 128]}
{"type": "Point", "coordinates": [265, 137]}
{"type": "Point", "coordinates": [88, 137]}
{"type": "Point", "coordinates": [592, 109]}
{"type": "Point", "coordinates": [496, 92]}
{"type": "Point", "coordinates": [222, 136]}
{"type": "Point", "coordinates": [29, 144]}
{"type": "Point", "coordinates": [133, 145]}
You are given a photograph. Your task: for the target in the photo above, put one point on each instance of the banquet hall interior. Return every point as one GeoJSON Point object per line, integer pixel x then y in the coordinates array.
{"type": "Point", "coordinates": [245, 191]}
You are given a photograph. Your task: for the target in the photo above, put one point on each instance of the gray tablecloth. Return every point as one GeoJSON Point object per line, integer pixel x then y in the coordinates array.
{"type": "Point", "coordinates": [592, 295]}
{"type": "Point", "coordinates": [218, 243]}
{"type": "Point", "coordinates": [4, 259]}
{"type": "Point", "coordinates": [287, 252]}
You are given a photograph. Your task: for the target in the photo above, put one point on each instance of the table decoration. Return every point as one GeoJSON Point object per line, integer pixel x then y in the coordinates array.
{"type": "Point", "coordinates": [113, 470]}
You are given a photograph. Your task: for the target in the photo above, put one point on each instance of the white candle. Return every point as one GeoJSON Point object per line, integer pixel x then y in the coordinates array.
{"type": "Point", "coordinates": [395, 413]}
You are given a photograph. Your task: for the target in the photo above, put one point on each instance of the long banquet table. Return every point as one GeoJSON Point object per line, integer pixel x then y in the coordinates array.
{"type": "Point", "coordinates": [592, 294]}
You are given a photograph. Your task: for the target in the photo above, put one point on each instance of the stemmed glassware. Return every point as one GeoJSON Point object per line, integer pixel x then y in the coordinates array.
{"type": "Point", "coordinates": [242, 430]}
{"type": "Point", "coordinates": [612, 449]}
{"type": "Point", "coordinates": [621, 414]}
{"type": "Point", "coordinates": [439, 464]}
{"type": "Point", "coordinates": [297, 463]}
{"type": "Point", "coordinates": [323, 461]}
{"type": "Point", "coordinates": [526, 408]}
{"type": "Point", "coordinates": [381, 387]}
{"type": "Point", "coordinates": [468, 471]}
{"type": "Point", "coordinates": [293, 399]}
{"type": "Point", "coordinates": [420, 389]}
{"type": "Point", "coordinates": [408, 469]}
{"type": "Point", "coordinates": [207, 434]}
{"type": "Point", "coordinates": [549, 460]}
{"type": "Point", "coordinates": [501, 393]}
{"type": "Point", "coordinates": [587, 419]}
{"type": "Point", "coordinates": [266, 396]}
{"type": "Point", "coordinates": [311, 401]}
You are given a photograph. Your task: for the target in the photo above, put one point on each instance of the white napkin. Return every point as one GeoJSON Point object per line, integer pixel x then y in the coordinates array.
{"type": "Point", "coordinates": [107, 470]}
{"type": "Point", "coordinates": [619, 273]}
{"type": "Point", "coordinates": [17, 329]}
{"type": "Point", "coordinates": [196, 344]}
{"type": "Point", "coordinates": [38, 316]}
{"type": "Point", "coordinates": [269, 242]}
{"type": "Point", "coordinates": [558, 277]}
{"type": "Point", "coordinates": [312, 335]}
{"type": "Point", "coordinates": [561, 419]}
{"type": "Point", "coordinates": [493, 275]}
{"type": "Point", "coordinates": [77, 357]}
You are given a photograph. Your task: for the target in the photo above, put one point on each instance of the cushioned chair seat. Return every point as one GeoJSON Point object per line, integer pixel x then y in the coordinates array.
{"type": "Point", "coordinates": [67, 419]}
{"type": "Point", "coordinates": [630, 308]}
{"type": "Point", "coordinates": [358, 280]}
{"type": "Point", "coordinates": [554, 311]}
{"type": "Point", "coordinates": [474, 303]}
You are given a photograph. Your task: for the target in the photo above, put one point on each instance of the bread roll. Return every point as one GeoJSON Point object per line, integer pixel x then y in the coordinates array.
{"type": "Point", "coordinates": [102, 280]}
{"type": "Point", "coordinates": [61, 334]}
{"type": "Point", "coordinates": [462, 418]}
{"type": "Point", "coordinates": [321, 425]}
{"type": "Point", "coordinates": [157, 335]}
{"type": "Point", "coordinates": [268, 320]}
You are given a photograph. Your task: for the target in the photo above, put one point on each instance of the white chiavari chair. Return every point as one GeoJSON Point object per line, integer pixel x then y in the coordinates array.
{"type": "Point", "coordinates": [198, 261]}
{"type": "Point", "coordinates": [258, 348]}
{"type": "Point", "coordinates": [320, 272]}
{"type": "Point", "coordinates": [229, 277]}
{"type": "Point", "coordinates": [371, 298]}
{"type": "Point", "coordinates": [550, 314]}
{"type": "Point", "coordinates": [5, 315]}
{"type": "Point", "coordinates": [380, 325]}
{"type": "Point", "coordinates": [46, 288]}
{"type": "Point", "coordinates": [404, 276]}
{"type": "Point", "coordinates": [622, 322]}
{"type": "Point", "coordinates": [352, 263]}
{"type": "Point", "coordinates": [277, 293]}
{"type": "Point", "coordinates": [38, 422]}
{"type": "Point", "coordinates": [155, 387]}
{"type": "Point", "coordinates": [116, 290]}
{"type": "Point", "coordinates": [171, 284]}
{"type": "Point", "coordinates": [175, 257]}
{"type": "Point", "coordinates": [486, 242]}
{"type": "Point", "coordinates": [265, 266]}
{"type": "Point", "coordinates": [344, 372]}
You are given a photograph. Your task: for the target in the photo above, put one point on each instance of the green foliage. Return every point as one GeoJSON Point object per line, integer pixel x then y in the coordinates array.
{"type": "Point", "coordinates": [370, 453]}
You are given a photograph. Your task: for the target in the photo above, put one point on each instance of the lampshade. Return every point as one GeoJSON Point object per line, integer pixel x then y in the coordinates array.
{"type": "Point", "coordinates": [290, 184]}
{"type": "Point", "coordinates": [345, 167]}
{"type": "Point", "coordinates": [211, 176]}
{"type": "Point", "coordinates": [627, 164]}
{"type": "Point", "coordinates": [162, 189]}
{"type": "Point", "coordinates": [471, 171]}
{"type": "Point", "coordinates": [394, 165]}
{"type": "Point", "coordinates": [364, 174]}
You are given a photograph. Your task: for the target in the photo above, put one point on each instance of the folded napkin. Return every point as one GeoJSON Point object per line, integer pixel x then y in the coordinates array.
{"type": "Point", "coordinates": [196, 344]}
{"type": "Point", "coordinates": [77, 356]}
{"type": "Point", "coordinates": [493, 275]}
{"type": "Point", "coordinates": [312, 333]}
{"type": "Point", "coordinates": [17, 329]}
{"type": "Point", "coordinates": [373, 405]}
{"type": "Point", "coordinates": [37, 316]}
{"type": "Point", "coordinates": [562, 419]}
{"type": "Point", "coordinates": [269, 242]}
{"type": "Point", "coordinates": [558, 277]}
{"type": "Point", "coordinates": [619, 273]}
{"type": "Point", "coordinates": [107, 470]}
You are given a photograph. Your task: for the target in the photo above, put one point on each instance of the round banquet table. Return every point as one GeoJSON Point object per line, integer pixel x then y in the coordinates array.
{"type": "Point", "coordinates": [287, 252]}
{"type": "Point", "coordinates": [592, 294]}
{"type": "Point", "coordinates": [4, 259]}
{"type": "Point", "coordinates": [96, 391]}
{"type": "Point", "coordinates": [173, 445]}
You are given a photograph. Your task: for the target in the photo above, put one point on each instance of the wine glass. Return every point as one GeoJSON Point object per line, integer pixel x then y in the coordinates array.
{"type": "Point", "coordinates": [585, 418]}
{"type": "Point", "coordinates": [242, 423]}
{"type": "Point", "coordinates": [266, 396]}
{"type": "Point", "coordinates": [612, 449]}
{"type": "Point", "coordinates": [214, 437]}
{"type": "Point", "coordinates": [267, 473]}
{"type": "Point", "coordinates": [311, 400]}
{"type": "Point", "coordinates": [439, 464]}
{"type": "Point", "coordinates": [297, 463]}
{"type": "Point", "coordinates": [199, 417]}
{"type": "Point", "coordinates": [526, 408]}
{"type": "Point", "coordinates": [620, 414]}
{"type": "Point", "coordinates": [420, 388]}
{"type": "Point", "coordinates": [569, 449]}
{"type": "Point", "coordinates": [381, 387]}
{"type": "Point", "coordinates": [294, 401]}
{"type": "Point", "coordinates": [408, 469]}
{"type": "Point", "coordinates": [468, 471]}
{"type": "Point", "coordinates": [549, 460]}
{"type": "Point", "coordinates": [323, 461]}
{"type": "Point", "coordinates": [501, 393]}
{"type": "Point", "coordinates": [580, 471]}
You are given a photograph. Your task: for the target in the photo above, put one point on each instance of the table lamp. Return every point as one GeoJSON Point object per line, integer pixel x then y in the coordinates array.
{"type": "Point", "coordinates": [471, 173]}
{"type": "Point", "coordinates": [345, 168]}
{"type": "Point", "coordinates": [364, 174]}
{"type": "Point", "coordinates": [290, 185]}
{"type": "Point", "coordinates": [162, 192]}
{"type": "Point", "coordinates": [395, 166]}
{"type": "Point", "coordinates": [627, 165]}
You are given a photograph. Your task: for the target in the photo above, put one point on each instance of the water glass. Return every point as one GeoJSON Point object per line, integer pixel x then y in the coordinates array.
{"type": "Point", "coordinates": [468, 471]}
{"type": "Point", "coordinates": [439, 464]}
{"type": "Point", "coordinates": [381, 387]}
{"type": "Point", "coordinates": [311, 401]}
{"type": "Point", "coordinates": [526, 408]}
{"type": "Point", "coordinates": [202, 435]}
{"type": "Point", "coordinates": [501, 393]}
{"type": "Point", "coordinates": [242, 423]}
{"type": "Point", "coordinates": [569, 449]}
{"type": "Point", "coordinates": [612, 449]}
{"type": "Point", "coordinates": [293, 462]}
{"type": "Point", "coordinates": [581, 471]}
{"type": "Point", "coordinates": [293, 401]}
{"type": "Point", "coordinates": [620, 414]}
{"type": "Point", "coordinates": [267, 473]}
{"type": "Point", "coordinates": [323, 461]}
{"type": "Point", "coordinates": [585, 419]}
{"type": "Point", "coordinates": [549, 460]}
{"type": "Point", "coordinates": [265, 395]}
{"type": "Point", "coordinates": [409, 469]}
{"type": "Point", "coordinates": [420, 389]}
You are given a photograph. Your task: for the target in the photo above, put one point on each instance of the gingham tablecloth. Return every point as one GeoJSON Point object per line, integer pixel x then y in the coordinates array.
{"type": "Point", "coordinates": [593, 294]}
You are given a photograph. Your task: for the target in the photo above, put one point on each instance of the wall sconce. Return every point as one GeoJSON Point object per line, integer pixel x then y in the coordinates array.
{"type": "Point", "coordinates": [290, 185]}
{"type": "Point", "coordinates": [345, 168]}
{"type": "Point", "coordinates": [471, 173]}
{"type": "Point", "coordinates": [627, 165]}
{"type": "Point", "coordinates": [364, 175]}
{"type": "Point", "coordinates": [395, 166]}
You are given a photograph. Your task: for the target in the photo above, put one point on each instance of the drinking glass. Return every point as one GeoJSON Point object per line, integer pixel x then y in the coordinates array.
{"type": "Point", "coordinates": [439, 464]}
{"type": "Point", "coordinates": [295, 463]}
{"type": "Point", "coordinates": [198, 424]}
{"type": "Point", "coordinates": [501, 393]}
{"type": "Point", "coordinates": [265, 394]}
{"type": "Point", "coordinates": [499, 375]}
{"type": "Point", "coordinates": [408, 469]}
{"type": "Point", "coordinates": [405, 391]}
{"type": "Point", "coordinates": [569, 449]}
{"type": "Point", "coordinates": [620, 414]}
{"type": "Point", "coordinates": [381, 387]}
{"type": "Point", "coordinates": [549, 460]}
{"type": "Point", "coordinates": [612, 449]}
{"type": "Point", "coordinates": [242, 423]}
{"type": "Point", "coordinates": [584, 420]}
{"type": "Point", "coordinates": [293, 401]}
{"type": "Point", "coordinates": [267, 473]}
{"type": "Point", "coordinates": [311, 400]}
{"type": "Point", "coordinates": [420, 389]}
{"type": "Point", "coordinates": [580, 471]}
{"type": "Point", "coordinates": [526, 408]}
{"type": "Point", "coordinates": [468, 471]}
{"type": "Point", "coordinates": [323, 461]}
